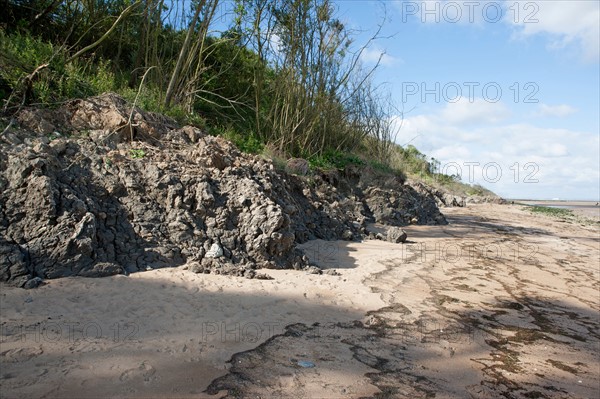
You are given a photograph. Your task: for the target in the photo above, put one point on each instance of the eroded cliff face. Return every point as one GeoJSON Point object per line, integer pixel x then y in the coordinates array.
{"type": "Point", "coordinates": [95, 188]}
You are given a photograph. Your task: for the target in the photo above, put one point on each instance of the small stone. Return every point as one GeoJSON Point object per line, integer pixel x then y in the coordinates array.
{"type": "Point", "coordinates": [305, 364]}
{"type": "Point", "coordinates": [263, 276]}
{"type": "Point", "coordinates": [348, 236]}
{"type": "Point", "coordinates": [196, 267]}
{"type": "Point", "coordinates": [244, 201]}
{"type": "Point", "coordinates": [33, 283]}
{"type": "Point", "coordinates": [396, 235]}
{"type": "Point", "coordinates": [313, 270]}
{"type": "Point", "coordinates": [215, 251]}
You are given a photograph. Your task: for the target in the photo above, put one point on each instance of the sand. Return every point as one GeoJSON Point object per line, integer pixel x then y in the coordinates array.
{"type": "Point", "coordinates": [499, 302]}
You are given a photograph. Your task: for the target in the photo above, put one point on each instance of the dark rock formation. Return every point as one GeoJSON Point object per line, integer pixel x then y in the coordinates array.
{"type": "Point", "coordinates": [78, 197]}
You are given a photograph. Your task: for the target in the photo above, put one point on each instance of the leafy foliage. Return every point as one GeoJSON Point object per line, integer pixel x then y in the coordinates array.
{"type": "Point", "coordinates": [284, 75]}
{"type": "Point", "coordinates": [21, 54]}
{"type": "Point", "coordinates": [137, 153]}
{"type": "Point", "coordinates": [332, 159]}
{"type": "Point", "coordinates": [246, 142]}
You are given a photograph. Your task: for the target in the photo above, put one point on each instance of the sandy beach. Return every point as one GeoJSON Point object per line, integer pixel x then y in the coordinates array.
{"type": "Point", "coordinates": [499, 303]}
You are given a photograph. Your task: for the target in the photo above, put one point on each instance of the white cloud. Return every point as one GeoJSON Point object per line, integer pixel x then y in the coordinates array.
{"type": "Point", "coordinates": [454, 116]}
{"type": "Point", "coordinates": [452, 151]}
{"type": "Point", "coordinates": [534, 162]}
{"type": "Point", "coordinates": [275, 42]}
{"type": "Point", "coordinates": [553, 150]}
{"type": "Point", "coordinates": [374, 54]}
{"type": "Point", "coordinates": [559, 111]}
{"type": "Point", "coordinates": [479, 111]}
{"type": "Point", "coordinates": [565, 22]}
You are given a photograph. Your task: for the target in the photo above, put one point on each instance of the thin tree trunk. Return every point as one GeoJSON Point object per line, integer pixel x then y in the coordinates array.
{"type": "Point", "coordinates": [182, 56]}
{"type": "Point", "coordinates": [122, 16]}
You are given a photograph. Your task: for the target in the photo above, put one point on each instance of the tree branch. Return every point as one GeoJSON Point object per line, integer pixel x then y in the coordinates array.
{"type": "Point", "coordinates": [122, 16]}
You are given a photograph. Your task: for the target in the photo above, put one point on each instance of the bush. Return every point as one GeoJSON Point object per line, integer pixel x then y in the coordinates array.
{"type": "Point", "coordinates": [20, 55]}
{"type": "Point", "coordinates": [333, 159]}
{"type": "Point", "coordinates": [245, 142]}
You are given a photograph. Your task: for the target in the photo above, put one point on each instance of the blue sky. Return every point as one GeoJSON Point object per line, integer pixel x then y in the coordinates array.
{"type": "Point", "coordinates": [526, 122]}
{"type": "Point", "coordinates": [543, 143]}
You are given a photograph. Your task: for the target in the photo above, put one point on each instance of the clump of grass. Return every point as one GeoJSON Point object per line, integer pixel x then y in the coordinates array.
{"type": "Point", "coordinates": [246, 142]}
{"type": "Point", "coordinates": [137, 153]}
{"type": "Point", "coordinates": [385, 168]}
{"type": "Point", "coordinates": [57, 81]}
{"type": "Point", "coordinates": [277, 157]}
{"type": "Point", "coordinates": [556, 212]}
{"type": "Point", "coordinates": [332, 159]}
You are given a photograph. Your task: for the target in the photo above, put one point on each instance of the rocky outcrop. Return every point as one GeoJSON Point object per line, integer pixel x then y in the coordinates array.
{"type": "Point", "coordinates": [444, 198]}
{"type": "Point", "coordinates": [485, 199]}
{"type": "Point", "coordinates": [402, 206]}
{"type": "Point", "coordinates": [441, 197]}
{"type": "Point", "coordinates": [79, 197]}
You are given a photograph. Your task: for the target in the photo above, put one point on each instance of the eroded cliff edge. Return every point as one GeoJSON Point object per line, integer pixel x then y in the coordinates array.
{"type": "Point", "coordinates": [96, 187]}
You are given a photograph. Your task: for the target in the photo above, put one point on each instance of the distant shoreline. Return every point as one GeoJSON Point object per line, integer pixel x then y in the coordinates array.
{"type": "Point", "coordinates": [588, 209]}
{"type": "Point", "coordinates": [553, 202]}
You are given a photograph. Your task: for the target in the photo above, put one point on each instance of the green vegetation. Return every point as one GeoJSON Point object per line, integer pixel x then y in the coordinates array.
{"type": "Point", "coordinates": [282, 78]}
{"type": "Point", "coordinates": [249, 143]}
{"type": "Point", "coordinates": [137, 153]}
{"type": "Point", "coordinates": [556, 212]}
{"type": "Point", "coordinates": [332, 159]}
{"type": "Point", "coordinates": [33, 70]}
{"type": "Point", "coordinates": [53, 136]}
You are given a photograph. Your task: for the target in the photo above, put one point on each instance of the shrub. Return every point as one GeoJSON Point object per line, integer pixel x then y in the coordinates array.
{"type": "Point", "coordinates": [333, 159]}
{"type": "Point", "coordinates": [20, 55]}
